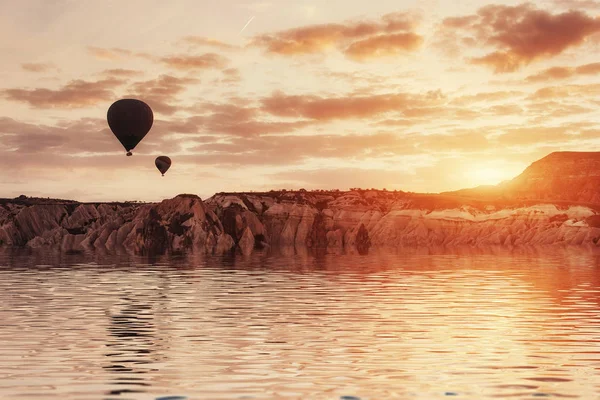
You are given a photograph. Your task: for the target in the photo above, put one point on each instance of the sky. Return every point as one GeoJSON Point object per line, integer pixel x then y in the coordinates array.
{"type": "Point", "coordinates": [251, 95]}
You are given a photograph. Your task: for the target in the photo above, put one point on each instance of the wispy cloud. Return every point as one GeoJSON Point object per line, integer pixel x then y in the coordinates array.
{"type": "Point", "coordinates": [559, 73]}
{"type": "Point", "coordinates": [201, 41]}
{"type": "Point", "coordinates": [76, 94]}
{"type": "Point", "coordinates": [191, 62]}
{"type": "Point", "coordinates": [37, 67]}
{"type": "Point", "coordinates": [161, 93]}
{"type": "Point", "coordinates": [578, 4]}
{"type": "Point", "coordinates": [392, 34]}
{"type": "Point", "coordinates": [121, 72]}
{"type": "Point", "coordinates": [347, 107]}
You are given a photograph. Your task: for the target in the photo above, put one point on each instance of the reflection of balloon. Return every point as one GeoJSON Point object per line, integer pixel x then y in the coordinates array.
{"type": "Point", "coordinates": [162, 163]}
{"type": "Point", "coordinates": [130, 120]}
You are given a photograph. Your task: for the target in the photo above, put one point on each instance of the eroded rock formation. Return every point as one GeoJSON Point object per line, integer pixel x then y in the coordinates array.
{"type": "Point", "coordinates": [179, 224]}
{"type": "Point", "coordinates": [535, 208]}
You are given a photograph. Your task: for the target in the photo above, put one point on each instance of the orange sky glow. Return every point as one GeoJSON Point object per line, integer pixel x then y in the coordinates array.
{"type": "Point", "coordinates": [423, 96]}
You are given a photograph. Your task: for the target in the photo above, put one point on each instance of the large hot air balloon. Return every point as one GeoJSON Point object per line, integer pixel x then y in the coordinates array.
{"type": "Point", "coordinates": [162, 163]}
{"type": "Point", "coordinates": [130, 120]}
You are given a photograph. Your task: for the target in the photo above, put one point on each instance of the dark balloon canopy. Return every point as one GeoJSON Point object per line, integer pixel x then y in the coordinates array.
{"type": "Point", "coordinates": [163, 163]}
{"type": "Point", "coordinates": [130, 120]}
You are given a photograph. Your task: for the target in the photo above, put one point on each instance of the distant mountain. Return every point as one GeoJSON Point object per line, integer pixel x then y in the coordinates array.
{"type": "Point", "coordinates": [564, 176]}
{"type": "Point", "coordinates": [554, 201]}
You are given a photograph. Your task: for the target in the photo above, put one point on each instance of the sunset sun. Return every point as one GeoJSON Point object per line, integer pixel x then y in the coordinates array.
{"type": "Point", "coordinates": [489, 174]}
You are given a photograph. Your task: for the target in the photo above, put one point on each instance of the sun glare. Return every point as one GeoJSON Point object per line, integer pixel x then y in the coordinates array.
{"type": "Point", "coordinates": [488, 175]}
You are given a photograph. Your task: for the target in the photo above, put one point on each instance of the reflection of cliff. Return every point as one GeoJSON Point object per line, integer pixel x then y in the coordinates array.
{"type": "Point", "coordinates": [555, 201]}
{"type": "Point", "coordinates": [132, 346]}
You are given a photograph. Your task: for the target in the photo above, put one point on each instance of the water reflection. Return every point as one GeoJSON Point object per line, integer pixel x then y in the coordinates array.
{"type": "Point", "coordinates": [421, 324]}
{"type": "Point", "coordinates": [132, 347]}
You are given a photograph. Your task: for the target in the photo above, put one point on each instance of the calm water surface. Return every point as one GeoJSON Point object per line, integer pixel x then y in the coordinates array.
{"type": "Point", "coordinates": [381, 326]}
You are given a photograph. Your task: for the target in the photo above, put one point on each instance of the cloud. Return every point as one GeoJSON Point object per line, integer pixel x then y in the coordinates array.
{"type": "Point", "coordinates": [84, 135]}
{"type": "Point", "coordinates": [543, 111]}
{"type": "Point", "coordinates": [36, 67]}
{"type": "Point", "coordinates": [579, 92]}
{"type": "Point", "coordinates": [578, 4]}
{"type": "Point", "coordinates": [25, 143]}
{"type": "Point", "coordinates": [230, 119]}
{"type": "Point", "coordinates": [356, 77]}
{"type": "Point", "coordinates": [76, 94]}
{"type": "Point", "coordinates": [532, 135]}
{"type": "Point", "coordinates": [518, 35]}
{"type": "Point", "coordinates": [121, 72]}
{"type": "Point", "coordinates": [350, 107]}
{"type": "Point", "coordinates": [383, 45]}
{"type": "Point", "coordinates": [230, 76]}
{"type": "Point", "coordinates": [219, 123]}
{"type": "Point", "coordinates": [204, 61]}
{"type": "Point", "coordinates": [466, 142]}
{"type": "Point", "coordinates": [544, 135]}
{"type": "Point", "coordinates": [398, 122]}
{"type": "Point", "coordinates": [181, 62]}
{"type": "Point", "coordinates": [588, 69]}
{"type": "Point", "coordinates": [499, 110]}
{"type": "Point", "coordinates": [558, 73]}
{"type": "Point", "coordinates": [501, 95]}
{"type": "Point", "coordinates": [290, 149]}
{"type": "Point", "coordinates": [357, 40]}
{"type": "Point", "coordinates": [551, 74]}
{"type": "Point", "coordinates": [114, 53]}
{"type": "Point", "coordinates": [208, 42]}
{"type": "Point", "coordinates": [162, 92]}
{"type": "Point", "coordinates": [398, 109]}
{"type": "Point", "coordinates": [501, 62]}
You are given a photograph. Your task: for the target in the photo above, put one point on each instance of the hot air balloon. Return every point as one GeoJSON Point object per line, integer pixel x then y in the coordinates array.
{"type": "Point", "coordinates": [163, 163]}
{"type": "Point", "coordinates": [130, 120]}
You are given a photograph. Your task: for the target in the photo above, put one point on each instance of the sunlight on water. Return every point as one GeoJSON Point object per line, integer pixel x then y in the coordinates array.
{"type": "Point", "coordinates": [300, 326]}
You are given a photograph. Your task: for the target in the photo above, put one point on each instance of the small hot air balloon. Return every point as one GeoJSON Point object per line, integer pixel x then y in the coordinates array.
{"type": "Point", "coordinates": [130, 120]}
{"type": "Point", "coordinates": [163, 163]}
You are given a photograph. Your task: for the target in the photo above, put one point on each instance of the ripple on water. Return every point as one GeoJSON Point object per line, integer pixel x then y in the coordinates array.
{"type": "Point", "coordinates": [318, 327]}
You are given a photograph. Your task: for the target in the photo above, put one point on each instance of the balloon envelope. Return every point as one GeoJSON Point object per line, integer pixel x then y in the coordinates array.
{"type": "Point", "coordinates": [163, 163]}
{"type": "Point", "coordinates": [130, 120]}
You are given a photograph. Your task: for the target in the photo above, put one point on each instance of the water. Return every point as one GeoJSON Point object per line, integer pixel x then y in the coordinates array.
{"type": "Point", "coordinates": [421, 326]}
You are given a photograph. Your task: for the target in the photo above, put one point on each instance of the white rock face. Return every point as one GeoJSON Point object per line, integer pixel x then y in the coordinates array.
{"type": "Point", "coordinates": [400, 220]}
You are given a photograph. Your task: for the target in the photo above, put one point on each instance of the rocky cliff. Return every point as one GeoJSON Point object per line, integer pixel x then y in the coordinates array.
{"type": "Point", "coordinates": [362, 219]}
{"type": "Point", "coordinates": [555, 201]}
{"type": "Point", "coordinates": [179, 224]}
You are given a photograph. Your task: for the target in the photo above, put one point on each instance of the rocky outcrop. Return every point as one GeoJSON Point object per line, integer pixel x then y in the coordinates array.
{"type": "Point", "coordinates": [555, 201]}
{"type": "Point", "coordinates": [357, 220]}
{"type": "Point", "coordinates": [363, 219]}
{"type": "Point", "coordinates": [175, 225]}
